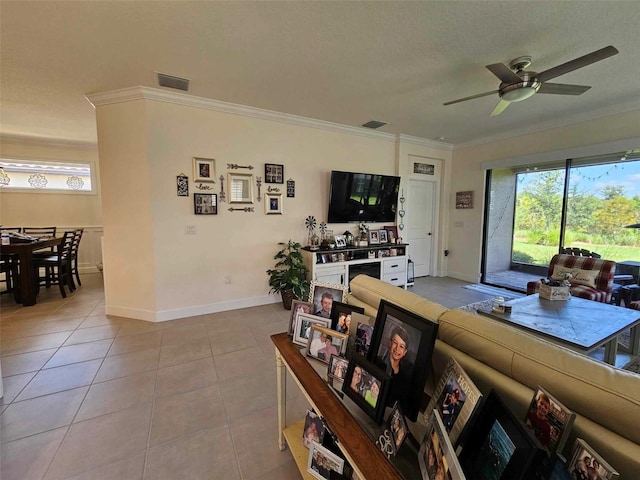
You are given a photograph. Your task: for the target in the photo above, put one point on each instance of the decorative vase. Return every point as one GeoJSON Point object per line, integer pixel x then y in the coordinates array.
{"type": "Point", "coordinates": [287, 298]}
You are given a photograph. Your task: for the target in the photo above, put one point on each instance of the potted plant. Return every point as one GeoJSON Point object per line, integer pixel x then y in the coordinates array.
{"type": "Point", "coordinates": [289, 275]}
{"type": "Point", "coordinates": [332, 242]}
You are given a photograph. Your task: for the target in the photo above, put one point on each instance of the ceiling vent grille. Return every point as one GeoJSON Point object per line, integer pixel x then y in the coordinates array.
{"type": "Point", "coordinates": [170, 81]}
{"type": "Point", "coordinates": [373, 124]}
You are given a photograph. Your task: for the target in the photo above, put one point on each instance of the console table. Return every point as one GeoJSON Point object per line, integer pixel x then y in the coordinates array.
{"type": "Point", "coordinates": [361, 452]}
{"type": "Point", "coordinates": [387, 261]}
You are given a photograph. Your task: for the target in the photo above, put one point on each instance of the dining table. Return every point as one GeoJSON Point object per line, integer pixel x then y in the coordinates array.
{"type": "Point", "coordinates": [26, 288]}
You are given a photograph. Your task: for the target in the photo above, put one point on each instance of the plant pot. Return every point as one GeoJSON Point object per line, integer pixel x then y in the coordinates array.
{"type": "Point", "coordinates": [287, 298]}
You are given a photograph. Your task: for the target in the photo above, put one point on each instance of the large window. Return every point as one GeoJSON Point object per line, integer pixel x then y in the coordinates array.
{"type": "Point", "coordinates": [46, 176]}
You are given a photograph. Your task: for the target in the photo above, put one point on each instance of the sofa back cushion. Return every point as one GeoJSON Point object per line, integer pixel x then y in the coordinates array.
{"type": "Point", "coordinates": [603, 280]}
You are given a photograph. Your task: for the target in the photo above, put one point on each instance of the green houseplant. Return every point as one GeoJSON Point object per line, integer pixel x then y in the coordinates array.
{"type": "Point", "coordinates": [289, 275]}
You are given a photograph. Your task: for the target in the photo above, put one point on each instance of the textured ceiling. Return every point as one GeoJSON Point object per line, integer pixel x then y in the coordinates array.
{"type": "Point", "coordinates": [343, 62]}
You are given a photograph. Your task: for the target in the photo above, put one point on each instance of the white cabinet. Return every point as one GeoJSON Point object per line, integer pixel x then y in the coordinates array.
{"type": "Point", "coordinates": [387, 262]}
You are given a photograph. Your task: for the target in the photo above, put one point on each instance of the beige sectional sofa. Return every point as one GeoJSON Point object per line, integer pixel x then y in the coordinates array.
{"type": "Point", "coordinates": [605, 399]}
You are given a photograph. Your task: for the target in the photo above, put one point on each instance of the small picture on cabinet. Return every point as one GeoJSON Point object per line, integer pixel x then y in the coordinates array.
{"type": "Point", "coordinates": [374, 237]}
{"type": "Point", "coordinates": [324, 258]}
{"type": "Point", "coordinates": [324, 342]}
{"type": "Point", "coordinates": [383, 236]}
{"type": "Point", "coordinates": [392, 233]}
{"type": "Point", "coordinates": [298, 306]}
{"type": "Point", "coordinates": [313, 429]}
{"type": "Point", "coordinates": [364, 333]}
{"type": "Point", "coordinates": [322, 296]}
{"type": "Point", "coordinates": [341, 241]}
{"type": "Point", "coordinates": [367, 385]}
{"type": "Point", "coordinates": [323, 461]}
{"type": "Point", "coordinates": [341, 316]}
{"type": "Point", "coordinates": [338, 367]}
{"type": "Point", "coordinates": [302, 328]}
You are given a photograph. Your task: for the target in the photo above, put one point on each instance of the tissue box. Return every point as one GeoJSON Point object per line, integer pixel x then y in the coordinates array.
{"type": "Point", "coordinates": [554, 293]}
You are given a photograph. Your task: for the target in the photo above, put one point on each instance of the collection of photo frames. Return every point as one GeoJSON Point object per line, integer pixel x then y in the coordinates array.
{"type": "Point", "coordinates": [240, 188]}
{"type": "Point", "coordinates": [465, 430]}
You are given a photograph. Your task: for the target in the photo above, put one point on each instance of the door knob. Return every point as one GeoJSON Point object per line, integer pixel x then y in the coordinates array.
{"type": "Point", "coordinates": [429, 233]}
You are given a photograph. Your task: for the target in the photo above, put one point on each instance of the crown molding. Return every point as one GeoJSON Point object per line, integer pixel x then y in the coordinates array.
{"type": "Point", "coordinates": [424, 142]}
{"type": "Point", "coordinates": [147, 93]}
{"type": "Point", "coordinates": [48, 142]}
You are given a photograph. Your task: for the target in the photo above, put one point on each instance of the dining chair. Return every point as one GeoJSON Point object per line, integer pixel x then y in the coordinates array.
{"type": "Point", "coordinates": [40, 232]}
{"type": "Point", "coordinates": [58, 263]}
{"type": "Point", "coordinates": [9, 262]}
{"type": "Point", "coordinates": [73, 261]}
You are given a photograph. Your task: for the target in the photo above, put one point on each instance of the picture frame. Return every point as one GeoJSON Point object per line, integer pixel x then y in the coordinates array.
{"type": "Point", "coordinates": [273, 203]}
{"type": "Point", "coordinates": [240, 188]}
{"type": "Point", "coordinates": [322, 462]}
{"type": "Point", "coordinates": [338, 367]}
{"type": "Point", "coordinates": [575, 467]}
{"type": "Point", "coordinates": [324, 342]}
{"type": "Point", "coordinates": [549, 420]}
{"type": "Point", "coordinates": [436, 452]}
{"type": "Point", "coordinates": [397, 427]}
{"type": "Point", "coordinates": [182, 185]}
{"type": "Point", "coordinates": [341, 316]}
{"type": "Point", "coordinates": [298, 306]}
{"type": "Point", "coordinates": [374, 237]}
{"type": "Point", "coordinates": [398, 329]}
{"type": "Point", "coordinates": [313, 430]}
{"type": "Point", "coordinates": [464, 200]}
{"type": "Point", "coordinates": [341, 241]}
{"type": "Point", "coordinates": [362, 341]}
{"type": "Point", "coordinates": [205, 204]}
{"type": "Point", "coordinates": [392, 233]}
{"type": "Point", "coordinates": [383, 236]}
{"type": "Point", "coordinates": [273, 173]}
{"type": "Point", "coordinates": [455, 397]}
{"type": "Point", "coordinates": [330, 292]}
{"type": "Point", "coordinates": [302, 327]}
{"type": "Point", "coordinates": [204, 170]}
{"type": "Point", "coordinates": [368, 386]}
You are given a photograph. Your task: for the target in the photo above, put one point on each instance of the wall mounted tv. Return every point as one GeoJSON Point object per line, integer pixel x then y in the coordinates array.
{"type": "Point", "coordinates": [362, 197]}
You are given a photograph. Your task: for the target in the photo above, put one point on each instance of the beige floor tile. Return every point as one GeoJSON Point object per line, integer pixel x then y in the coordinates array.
{"type": "Point", "coordinates": [231, 341]}
{"type": "Point", "coordinates": [79, 353]}
{"type": "Point", "coordinates": [183, 334]}
{"type": "Point", "coordinates": [99, 320]}
{"type": "Point", "coordinates": [245, 394]}
{"type": "Point", "coordinates": [127, 469]}
{"type": "Point", "coordinates": [138, 341]}
{"type": "Point", "coordinates": [91, 334]}
{"type": "Point", "coordinates": [56, 326]}
{"type": "Point", "coordinates": [184, 352]}
{"type": "Point", "coordinates": [244, 362]}
{"type": "Point", "coordinates": [183, 322]}
{"type": "Point", "coordinates": [40, 414]}
{"type": "Point", "coordinates": [60, 378]}
{"type": "Point", "coordinates": [185, 377]}
{"type": "Point", "coordinates": [208, 454]}
{"type": "Point", "coordinates": [102, 441]}
{"type": "Point", "coordinates": [128, 364]}
{"type": "Point", "coordinates": [134, 327]}
{"type": "Point", "coordinates": [118, 394]}
{"type": "Point", "coordinates": [256, 449]}
{"type": "Point", "coordinates": [26, 362]}
{"type": "Point", "coordinates": [37, 342]}
{"type": "Point", "coordinates": [14, 385]}
{"type": "Point", "coordinates": [288, 471]}
{"type": "Point", "coordinates": [28, 458]}
{"type": "Point", "coordinates": [186, 413]}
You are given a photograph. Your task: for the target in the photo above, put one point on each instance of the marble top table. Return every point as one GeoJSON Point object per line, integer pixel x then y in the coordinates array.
{"type": "Point", "coordinates": [582, 325]}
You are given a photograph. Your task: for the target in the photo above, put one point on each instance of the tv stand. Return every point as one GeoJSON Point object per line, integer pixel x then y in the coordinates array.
{"type": "Point", "coordinates": [387, 261]}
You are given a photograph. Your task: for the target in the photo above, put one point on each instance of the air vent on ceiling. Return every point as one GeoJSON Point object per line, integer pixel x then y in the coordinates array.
{"type": "Point", "coordinates": [170, 81]}
{"type": "Point", "coordinates": [374, 124]}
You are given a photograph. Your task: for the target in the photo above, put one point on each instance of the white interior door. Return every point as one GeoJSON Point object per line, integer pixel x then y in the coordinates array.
{"type": "Point", "coordinates": [419, 224]}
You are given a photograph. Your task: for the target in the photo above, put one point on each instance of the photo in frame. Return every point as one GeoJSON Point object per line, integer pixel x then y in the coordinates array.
{"type": "Point", "coordinates": [273, 203]}
{"type": "Point", "coordinates": [314, 429]}
{"type": "Point", "coordinates": [240, 189]}
{"type": "Point", "coordinates": [341, 241]}
{"type": "Point", "coordinates": [368, 386]}
{"type": "Point", "coordinates": [338, 367]}
{"type": "Point", "coordinates": [584, 458]}
{"type": "Point", "coordinates": [392, 233]}
{"type": "Point", "coordinates": [273, 173]}
{"type": "Point", "coordinates": [397, 427]}
{"type": "Point", "coordinates": [298, 306]}
{"type": "Point", "coordinates": [322, 295]}
{"type": "Point", "coordinates": [204, 170]}
{"type": "Point", "coordinates": [324, 342]}
{"type": "Point", "coordinates": [302, 328]}
{"type": "Point", "coordinates": [549, 420]}
{"type": "Point", "coordinates": [205, 203]}
{"type": "Point", "coordinates": [374, 237]}
{"type": "Point", "coordinates": [436, 453]}
{"type": "Point", "coordinates": [182, 185]}
{"type": "Point", "coordinates": [402, 346]}
{"type": "Point", "coordinates": [362, 340]}
{"type": "Point", "coordinates": [322, 462]}
{"type": "Point", "coordinates": [341, 316]}
{"type": "Point", "coordinates": [383, 236]}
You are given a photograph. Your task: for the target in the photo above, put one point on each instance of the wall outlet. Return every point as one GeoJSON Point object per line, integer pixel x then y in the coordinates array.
{"type": "Point", "coordinates": [190, 230]}
{"type": "Point", "coordinates": [227, 279]}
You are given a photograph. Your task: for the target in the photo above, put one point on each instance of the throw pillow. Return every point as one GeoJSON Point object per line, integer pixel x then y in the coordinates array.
{"type": "Point", "coordinates": [585, 277]}
{"type": "Point", "coordinates": [559, 270]}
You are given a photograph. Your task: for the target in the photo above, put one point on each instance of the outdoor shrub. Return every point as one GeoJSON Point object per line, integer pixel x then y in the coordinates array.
{"type": "Point", "coordinates": [521, 257]}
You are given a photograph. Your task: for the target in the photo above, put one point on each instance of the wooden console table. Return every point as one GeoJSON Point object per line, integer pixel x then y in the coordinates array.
{"type": "Point", "coordinates": [360, 451]}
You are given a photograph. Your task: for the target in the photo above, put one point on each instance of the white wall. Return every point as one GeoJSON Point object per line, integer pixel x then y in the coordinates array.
{"type": "Point", "coordinates": [153, 270]}
{"type": "Point", "coordinates": [465, 227]}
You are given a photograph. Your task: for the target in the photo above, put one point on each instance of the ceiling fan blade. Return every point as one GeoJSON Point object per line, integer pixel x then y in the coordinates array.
{"type": "Point", "coordinates": [501, 107]}
{"type": "Point", "coordinates": [577, 63]}
{"type": "Point", "coordinates": [504, 73]}
{"type": "Point", "coordinates": [471, 97]}
{"type": "Point", "coordinates": [563, 89]}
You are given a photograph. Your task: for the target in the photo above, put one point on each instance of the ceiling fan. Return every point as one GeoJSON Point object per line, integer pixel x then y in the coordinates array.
{"type": "Point", "coordinates": [519, 84]}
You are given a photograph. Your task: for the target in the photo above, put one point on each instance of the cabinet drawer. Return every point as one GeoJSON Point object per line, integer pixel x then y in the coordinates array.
{"type": "Point", "coordinates": [394, 266]}
{"type": "Point", "coordinates": [398, 279]}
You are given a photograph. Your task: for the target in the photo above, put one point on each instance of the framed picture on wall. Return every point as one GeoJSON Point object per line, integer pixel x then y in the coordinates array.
{"type": "Point", "coordinates": [205, 203]}
{"type": "Point", "coordinates": [204, 170]}
{"type": "Point", "coordinates": [273, 204]}
{"type": "Point", "coordinates": [273, 173]}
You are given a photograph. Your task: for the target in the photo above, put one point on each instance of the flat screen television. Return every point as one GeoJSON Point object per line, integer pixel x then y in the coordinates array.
{"type": "Point", "coordinates": [498, 446]}
{"type": "Point", "coordinates": [362, 197]}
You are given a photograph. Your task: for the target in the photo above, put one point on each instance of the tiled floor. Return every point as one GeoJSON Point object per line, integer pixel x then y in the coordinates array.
{"type": "Point", "coordinates": [94, 397]}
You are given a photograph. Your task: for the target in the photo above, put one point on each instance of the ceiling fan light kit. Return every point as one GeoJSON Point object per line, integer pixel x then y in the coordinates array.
{"type": "Point", "coordinates": [518, 85]}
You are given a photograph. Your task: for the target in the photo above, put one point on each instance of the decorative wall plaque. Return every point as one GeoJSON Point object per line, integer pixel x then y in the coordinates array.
{"type": "Point", "coordinates": [423, 168]}
{"type": "Point", "coordinates": [464, 200]}
{"type": "Point", "coordinates": [291, 188]}
{"type": "Point", "coordinates": [182, 184]}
